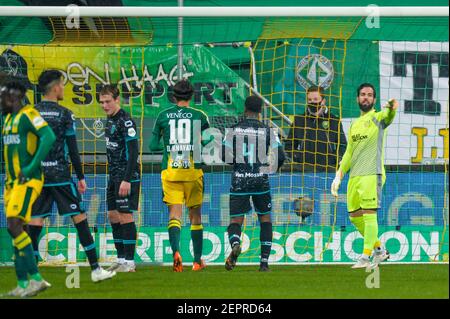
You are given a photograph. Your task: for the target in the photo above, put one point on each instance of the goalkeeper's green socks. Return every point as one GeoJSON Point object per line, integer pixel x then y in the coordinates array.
{"type": "Point", "coordinates": [358, 222]}
{"type": "Point", "coordinates": [174, 234]}
{"type": "Point", "coordinates": [197, 241]}
{"type": "Point", "coordinates": [370, 233]}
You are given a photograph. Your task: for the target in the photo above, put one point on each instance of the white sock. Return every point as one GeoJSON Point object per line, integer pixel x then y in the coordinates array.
{"type": "Point", "coordinates": [121, 260]}
{"type": "Point", "coordinates": [129, 262]}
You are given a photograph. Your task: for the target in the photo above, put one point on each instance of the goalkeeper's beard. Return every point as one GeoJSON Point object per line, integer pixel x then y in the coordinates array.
{"type": "Point", "coordinates": [365, 107]}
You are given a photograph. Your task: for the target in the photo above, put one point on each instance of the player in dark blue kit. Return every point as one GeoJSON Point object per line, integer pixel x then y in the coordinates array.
{"type": "Point", "coordinates": [247, 146]}
{"type": "Point", "coordinates": [122, 150]}
{"type": "Point", "coordinates": [58, 184]}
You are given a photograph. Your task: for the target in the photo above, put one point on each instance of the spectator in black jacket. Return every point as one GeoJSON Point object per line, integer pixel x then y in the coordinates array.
{"type": "Point", "coordinates": [316, 139]}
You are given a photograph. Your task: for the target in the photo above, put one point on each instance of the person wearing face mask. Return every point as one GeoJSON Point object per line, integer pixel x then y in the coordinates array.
{"type": "Point", "coordinates": [364, 158]}
{"type": "Point", "coordinates": [316, 138]}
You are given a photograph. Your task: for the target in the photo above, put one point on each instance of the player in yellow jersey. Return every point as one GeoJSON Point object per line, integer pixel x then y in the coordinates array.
{"type": "Point", "coordinates": [364, 158]}
{"type": "Point", "coordinates": [26, 141]}
{"type": "Point", "coordinates": [182, 176]}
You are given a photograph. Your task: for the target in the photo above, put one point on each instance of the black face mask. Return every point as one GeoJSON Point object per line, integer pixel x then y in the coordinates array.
{"type": "Point", "coordinates": [314, 107]}
{"type": "Point", "coordinates": [365, 107]}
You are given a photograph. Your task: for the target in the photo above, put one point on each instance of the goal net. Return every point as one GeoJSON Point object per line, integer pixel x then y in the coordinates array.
{"type": "Point", "coordinates": [228, 59]}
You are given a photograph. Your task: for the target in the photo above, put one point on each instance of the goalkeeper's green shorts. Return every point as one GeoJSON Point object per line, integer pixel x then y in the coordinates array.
{"type": "Point", "coordinates": [364, 192]}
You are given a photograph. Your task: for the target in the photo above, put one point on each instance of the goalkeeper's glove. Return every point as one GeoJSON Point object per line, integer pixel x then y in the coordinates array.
{"type": "Point", "coordinates": [336, 183]}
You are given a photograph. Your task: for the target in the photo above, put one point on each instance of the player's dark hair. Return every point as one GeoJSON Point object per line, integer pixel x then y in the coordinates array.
{"type": "Point", "coordinates": [253, 104]}
{"type": "Point", "coordinates": [366, 85]}
{"type": "Point", "coordinates": [183, 90]}
{"type": "Point", "coordinates": [110, 89]}
{"type": "Point", "coordinates": [47, 79]}
{"type": "Point", "coordinates": [315, 88]}
{"type": "Point", "coordinates": [12, 86]}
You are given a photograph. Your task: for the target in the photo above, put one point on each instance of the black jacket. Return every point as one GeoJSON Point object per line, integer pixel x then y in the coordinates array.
{"type": "Point", "coordinates": [315, 141]}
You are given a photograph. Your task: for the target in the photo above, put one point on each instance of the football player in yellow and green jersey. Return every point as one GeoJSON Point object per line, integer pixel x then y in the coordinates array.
{"type": "Point", "coordinates": [27, 139]}
{"type": "Point", "coordinates": [182, 177]}
{"type": "Point", "coordinates": [364, 157]}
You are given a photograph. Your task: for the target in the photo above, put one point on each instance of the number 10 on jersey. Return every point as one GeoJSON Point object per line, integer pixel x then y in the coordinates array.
{"type": "Point", "coordinates": [180, 131]}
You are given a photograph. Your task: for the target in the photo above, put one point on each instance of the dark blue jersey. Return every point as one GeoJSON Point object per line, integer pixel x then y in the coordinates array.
{"type": "Point", "coordinates": [121, 142]}
{"type": "Point", "coordinates": [247, 147]}
{"type": "Point", "coordinates": [62, 121]}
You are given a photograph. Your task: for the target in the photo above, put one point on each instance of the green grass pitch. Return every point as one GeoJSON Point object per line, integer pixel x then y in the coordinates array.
{"type": "Point", "coordinates": [287, 282]}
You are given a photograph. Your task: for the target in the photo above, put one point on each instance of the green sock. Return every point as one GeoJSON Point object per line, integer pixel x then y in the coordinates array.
{"type": "Point", "coordinates": [197, 241]}
{"type": "Point", "coordinates": [37, 276]}
{"type": "Point", "coordinates": [174, 234]}
{"type": "Point", "coordinates": [32, 267]}
{"type": "Point", "coordinates": [358, 222]}
{"type": "Point", "coordinates": [370, 232]}
{"type": "Point", "coordinates": [25, 255]}
{"type": "Point", "coordinates": [21, 269]}
{"type": "Point", "coordinates": [23, 283]}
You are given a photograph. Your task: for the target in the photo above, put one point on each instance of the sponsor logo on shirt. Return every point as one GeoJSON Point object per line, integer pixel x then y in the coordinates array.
{"type": "Point", "coordinates": [12, 139]}
{"type": "Point", "coordinates": [179, 115]}
{"type": "Point", "coordinates": [111, 144]}
{"type": "Point", "coordinates": [249, 175]}
{"type": "Point", "coordinates": [49, 113]}
{"type": "Point", "coordinates": [49, 163]}
{"type": "Point", "coordinates": [358, 137]}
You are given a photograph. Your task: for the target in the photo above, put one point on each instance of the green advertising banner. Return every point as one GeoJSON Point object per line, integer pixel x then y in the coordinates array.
{"type": "Point", "coordinates": [290, 245]}
{"type": "Point", "coordinates": [145, 75]}
{"type": "Point", "coordinates": [286, 69]}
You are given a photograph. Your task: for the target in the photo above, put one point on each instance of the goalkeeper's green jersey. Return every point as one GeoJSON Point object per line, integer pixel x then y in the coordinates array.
{"type": "Point", "coordinates": [365, 150]}
{"type": "Point", "coordinates": [181, 129]}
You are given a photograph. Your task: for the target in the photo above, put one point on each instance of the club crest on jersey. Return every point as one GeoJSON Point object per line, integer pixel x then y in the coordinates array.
{"type": "Point", "coordinates": [131, 132]}
{"type": "Point", "coordinates": [38, 121]}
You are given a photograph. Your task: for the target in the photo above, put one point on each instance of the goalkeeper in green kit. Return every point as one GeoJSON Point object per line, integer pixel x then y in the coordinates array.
{"type": "Point", "coordinates": [364, 157]}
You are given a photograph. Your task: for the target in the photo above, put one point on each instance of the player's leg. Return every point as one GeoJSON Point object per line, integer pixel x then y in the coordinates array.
{"type": "Point", "coordinates": [363, 204]}
{"type": "Point", "coordinates": [87, 241]}
{"type": "Point", "coordinates": [129, 235]}
{"type": "Point", "coordinates": [263, 207]}
{"type": "Point", "coordinates": [194, 198]}
{"type": "Point", "coordinates": [356, 215]}
{"type": "Point", "coordinates": [239, 207]}
{"type": "Point", "coordinates": [173, 197]}
{"type": "Point", "coordinates": [40, 210]}
{"type": "Point", "coordinates": [68, 201]}
{"type": "Point", "coordinates": [126, 207]}
{"type": "Point", "coordinates": [18, 203]}
{"type": "Point", "coordinates": [114, 219]}
{"type": "Point", "coordinates": [371, 194]}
